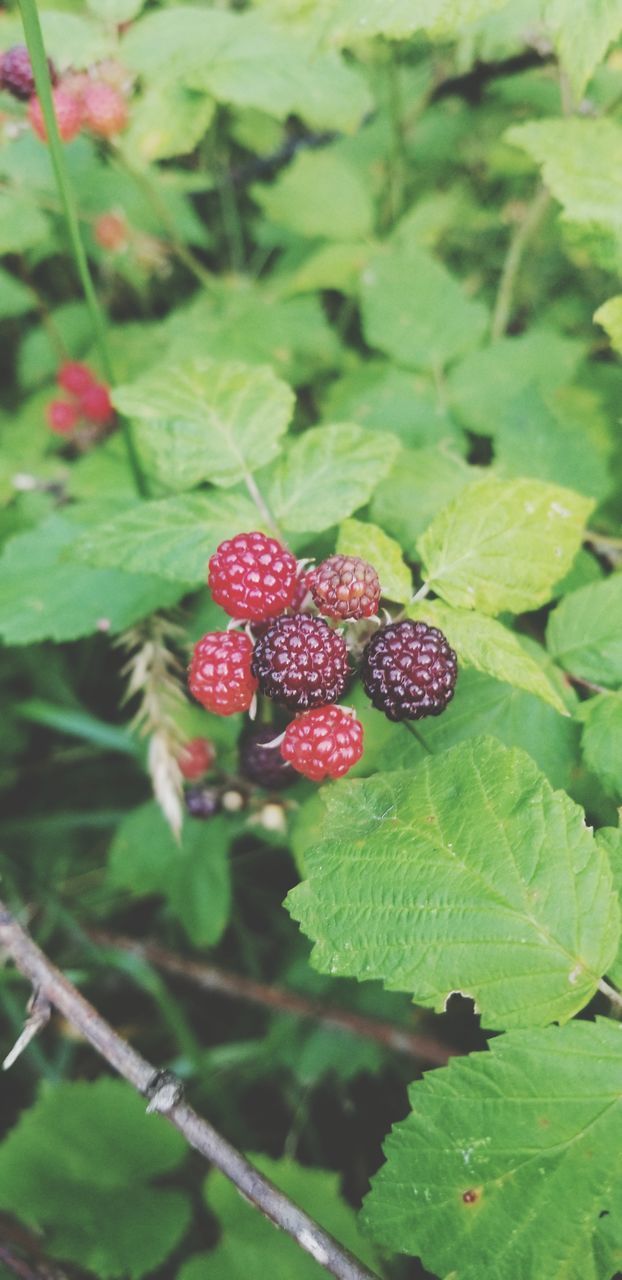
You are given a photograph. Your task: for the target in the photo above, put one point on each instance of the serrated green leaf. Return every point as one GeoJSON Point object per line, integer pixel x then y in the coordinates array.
{"type": "Point", "coordinates": [397, 19]}
{"type": "Point", "coordinates": [81, 1201]}
{"type": "Point", "coordinates": [504, 1166]}
{"type": "Point", "coordinates": [416, 312]}
{"type": "Point", "coordinates": [168, 120]}
{"type": "Point", "coordinates": [420, 484]}
{"type": "Point", "coordinates": [601, 742]}
{"type": "Point", "coordinates": [583, 31]}
{"type": "Point", "coordinates": [193, 877]}
{"type": "Point", "coordinates": [503, 544]}
{"type": "Point", "coordinates": [610, 316]}
{"type": "Point", "coordinates": [531, 441]}
{"type": "Point", "coordinates": [385, 398]}
{"type": "Point", "coordinates": [584, 633]}
{"type": "Point", "coordinates": [173, 537]}
{"type": "Point", "coordinates": [22, 224]}
{"type": "Point", "coordinates": [610, 839]}
{"type": "Point", "coordinates": [488, 646]}
{"type": "Point", "coordinates": [579, 160]}
{"type": "Point", "coordinates": [206, 420]}
{"type": "Point", "coordinates": [46, 596]}
{"type": "Point", "coordinates": [327, 473]}
{"type": "Point", "coordinates": [358, 538]}
{"type": "Point", "coordinates": [319, 194]}
{"type": "Point", "coordinates": [483, 386]}
{"type": "Point", "coordinates": [469, 875]}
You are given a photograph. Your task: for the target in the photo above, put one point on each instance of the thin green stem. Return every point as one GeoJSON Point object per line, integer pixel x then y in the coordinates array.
{"type": "Point", "coordinates": [163, 213]}
{"type": "Point", "coordinates": [34, 40]}
{"type": "Point", "coordinates": [421, 593]}
{"type": "Point", "coordinates": [262, 506]}
{"type": "Point", "coordinates": [417, 735]}
{"type": "Point", "coordinates": [513, 260]}
{"type": "Point", "coordinates": [614, 996]}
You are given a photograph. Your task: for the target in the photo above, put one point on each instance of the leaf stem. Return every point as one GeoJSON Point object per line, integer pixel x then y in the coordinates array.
{"type": "Point", "coordinates": [614, 996]}
{"type": "Point", "coordinates": [415, 734]}
{"type": "Point", "coordinates": [514, 257]}
{"type": "Point", "coordinates": [421, 593]}
{"type": "Point", "coordinates": [34, 41]}
{"type": "Point", "coordinates": [262, 506]}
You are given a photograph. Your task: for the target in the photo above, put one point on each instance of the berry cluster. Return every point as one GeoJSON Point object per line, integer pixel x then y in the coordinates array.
{"type": "Point", "coordinates": [300, 659]}
{"type": "Point", "coordinates": [94, 100]}
{"type": "Point", "coordinates": [88, 402]}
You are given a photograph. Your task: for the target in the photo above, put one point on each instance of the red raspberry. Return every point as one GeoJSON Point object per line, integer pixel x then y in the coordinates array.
{"type": "Point", "coordinates": [75, 378]}
{"type": "Point", "coordinates": [96, 405]}
{"type": "Point", "coordinates": [62, 417]}
{"type": "Point", "coordinates": [262, 764]}
{"type": "Point", "coordinates": [68, 115]}
{"type": "Point", "coordinates": [220, 674]}
{"type": "Point", "coordinates": [409, 671]}
{"type": "Point", "coordinates": [105, 109]}
{"type": "Point", "coordinates": [196, 758]}
{"type": "Point", "coordinates": [323, 743]}
{"type": "Point", "coordinates": [111, 232]}
{"type": "Point", "coordinates": [252, 576]}
{"type": "Point", "coordinates": [346, 587]}
{"type": "Point", "coordinates": [16, 75]}
{"type": "Point", "coordinates": [301, 662]}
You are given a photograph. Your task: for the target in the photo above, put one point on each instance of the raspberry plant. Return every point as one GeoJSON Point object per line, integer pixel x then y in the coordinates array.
{"type": "Point", "coordinates": [310, 467]}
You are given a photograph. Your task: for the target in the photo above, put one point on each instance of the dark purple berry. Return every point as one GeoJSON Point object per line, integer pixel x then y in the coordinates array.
{"type": "Point", "coordinates": [16, 75]}
{"type": "Point", "coordinates": [301, 662]}
{"type": "Point", "coordinates": [264, 765]}
{"type": "Point", "coordinates": [409, 671]}
{"type": "Point", "coordinates": [202, 802]}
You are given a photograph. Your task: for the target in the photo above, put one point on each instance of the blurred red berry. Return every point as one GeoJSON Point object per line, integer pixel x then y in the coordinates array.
{"type": "Point", "coordinates": [105, 109]}
{"type": "Point", "coordinates": [196, 758]}
{"type": "Point", "coordinates": [68, 115]}
{"type": "Point", "coordinates": [111, 232]}
{"type": "Point", "coordinates": [75, 378]}
{"type": "Point", "coordinates": [96, 405]}
{"type": "Point", "coordinates": [16, 75]}
{"type": "Point", "coordinates": [62, 417]}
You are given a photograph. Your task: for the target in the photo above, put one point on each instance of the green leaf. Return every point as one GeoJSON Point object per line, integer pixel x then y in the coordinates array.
{"type": "Point", "coordinates": [489, 382]}
{"type": "Point", "coordinates": [205, 420]}
{"type": "Point", "coordinates": [578, 161]}
{"type": "Point", "coordinates": [249, 1244]}
{"type": "Point", "coordinates": [531, 441]}
{"type": "Point", "coordinates": [584, 633]}
{"type": "Point", "coordinates": [173, 537]}
{"type": "Point", "coordinates": [380, 396]}
{"type": "Point", "coordinates": [527, 1129]}
{"type": "Point", "coordinates": [610, 839]}
{"type": "Point", "coordinates": [193, 877]}
{"type": "Point", "coordinates": [488, 646]}
{"type": "Point", "coordinates": [396, 19]}
{"type": "Point", "coordinates": [46, 596]}
{"type": "Point", "coordinates": [15, 298]}
{"type": "Point", "coordinates": [503, 544]}
{"type": "Point", "coordinates": [610, 316]}
{"type": "Point", "coordinates": [358, 538]}
{"type": "Point", "coordinates": [168, 120]}
{"type": "Point", "coordinates": [327, 473]}
{"type": "Point", "coordinates": [22, 224]}
{"type": "Point", "coordinates": [420, 484]}
{"type": "Point", "coordinates": [115, 11]}
{"type": "Point", "coordinates": [601, 742]}
{"type": "Point", "coordinates": [319, 194]}
{"type": "Point", "coordinates": [583, 31]}
{"type": "Point", "coordinates": [470, 875]}
{"type": "Point", "coordinates": [416, 312]}
{"type": "Point", "coordinates": [80, 1201]}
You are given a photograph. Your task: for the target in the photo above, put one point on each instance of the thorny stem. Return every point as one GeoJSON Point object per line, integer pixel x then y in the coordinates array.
{"type": "Point", "coordinates": [165, 1097]}
{"type": "Point", "coordinates": [514, 257]}
{"type": "Point", "coordinates": [211, 978]}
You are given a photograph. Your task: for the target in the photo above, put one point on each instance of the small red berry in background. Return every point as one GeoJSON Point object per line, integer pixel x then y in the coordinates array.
{"type": "Point", "coordinates": [111, 232]}
{"type": "Point", "coordinates": [16, 74]}
{"type": "Point", "coordinates": [95, 404]}
{"type": "Point", "coordinates": [220, 676]}
{"type": "Point", "coordinates": [323, 743]}
{"type": "Point", "coordinates": [68, 115]}
{"type": "Point", "coordinates": [346, 587]}
{"type": "Point", "coordinates": [75, 378]}
{"type": "Point", "coordinates": [252, 577]}
{"type": "Point", "coordinates": [105, 109]}
{"type": "Point", "coordinates": [62, 417]}
{"type": "Point", "coordinates": [196, 758]}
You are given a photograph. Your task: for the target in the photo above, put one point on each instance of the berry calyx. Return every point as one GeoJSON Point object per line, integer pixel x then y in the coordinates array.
{"type": "Point", "coordinates": [196, 758]}
{"type": "Point", "coordinates": [16, 74]}
{"type": "Point", "coordinates": [62, 417]}
{"type": "Point", "coordinates": [75, 378]}
{"type": "Point", "coordinates": [346, 587]}
{"type": "Point", "coordinates": [68, 114]}
{"type": "Point", "coordinates": [262, 764]}
{"type": "Point", "coordinates": [220, 676]}
{"type": "Point", "coordinates": [202, 802]}
{"type": "Point", "coordinates": [105, 109]}
{"type": "Point", "coordinates": [252, 577]}
{"type": "Point", "coordinates": [323, 743]}
{"type": "Point", "coordinates": [96, 405]}
{"type": "Point", "coordinates": [409, 670]}
{"type": "Point", "coordinates": [301, 662]}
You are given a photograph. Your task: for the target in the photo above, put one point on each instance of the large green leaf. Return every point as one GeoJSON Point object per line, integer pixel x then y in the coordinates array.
{"type": "Point", "coordinates": [531, 441]}
{"type": "Point", "coordinates": [397, 19]}
{"type": "Point", "coordinates": [469, 875]}
{"type": "Point", "coordinates": [320, 194]}
{"type": "Point", "coordinates": [46, 596]}
{"type": "Point", "coordinates": [359, 538]}
{"type": "Point", "coordinates": [173, 537]}
{"type": "Point", "coordinates": [420, 484]}
{"type": "Point", "coordinates": [206, 420]}
{"type": "Point", "coordinates": [579, 160]}
{"type": "Point", "coordinates": [601, 742]}
{"type": "Point", "coordinates": [583, 31]}
{"type": "Point", "coordinates": [486, 383]}
{"type": "Point", "coordinates": [610, 316]}
{"type": "Point", "coordinates": [503, 544]}
{"type": "Point", "coordinates": [505, 1165]}
{"type": "Point", "coordinates": [193, 876]}
{"type": "Point", "coordinates": [327, 473]}
{"type": "Point", "coordinates": [487, 645]}
{"type": "Point", "coordinates": [66, 1167]}
{"type": "Point", "coordinates": [168, 120]}
{"type": "Point", "coordinates": [610, 839]}
{"type": "Point", "coordinates": [385, 398]}
{"type": "Point", "coordinates": [416, 312]}
{"type": "Point", "coordinates": [584, 634]}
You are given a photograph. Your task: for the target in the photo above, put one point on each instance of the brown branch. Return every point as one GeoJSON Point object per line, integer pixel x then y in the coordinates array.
{"type": "Point", "coordinates": [210, 978]}
{"type": "Point", "coordinates": [165, 1096]}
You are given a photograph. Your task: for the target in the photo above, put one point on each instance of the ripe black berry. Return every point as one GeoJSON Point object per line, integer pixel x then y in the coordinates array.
{"type": "Point", "coordinates": [301, 662]}
{"type": "Point", "coordinates": [264, 765]}
{"type": "Point", "coordinates": [409, 671]}
{"type": "Point", "coordinates": [16, 75]}
{"type": "Point", "coordinates": [202, 802]}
